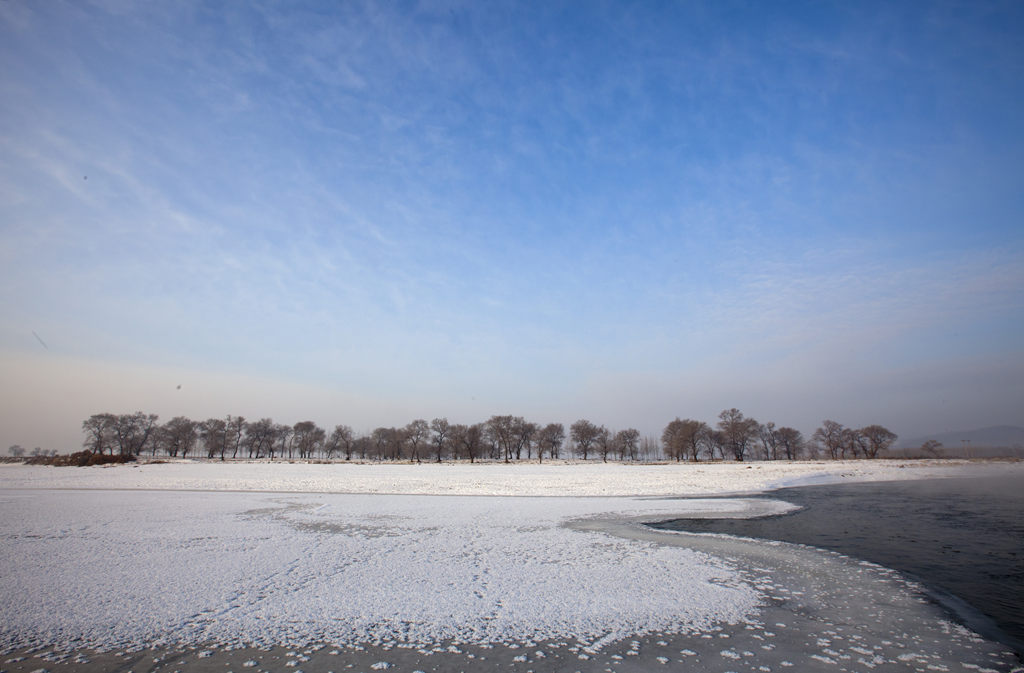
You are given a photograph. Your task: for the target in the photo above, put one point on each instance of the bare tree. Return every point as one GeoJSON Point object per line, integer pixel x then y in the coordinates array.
{"type": "Point", "coordinates": [854, 443]}
{"type": "Point", "coordinates": [380, 439]}
{"type": "Point", "coordinates": [550, 438]}
{"type": "Point", "coordinates": [650, 449]}
{"type": "Point", "coordinates": [213, 434]}
{"type": "Point", "coordinates": [468, 439]}
{"type": "Point", "coordinates": [791, 441]}
{"type": "Point", "coordinates": [308, 438]}
{"type": "Point", "coordinates": [604, 441]}
{"type": "Point", "coordinates": [584, 434]}
{"type": "Point", "coordinates": [523, 433]}
{"type": "Point", "coordinates": [456, 436]}
{"type": "Point", "coordinates": [769, 437]}
{"type": "Point", "coordinates": [16, 450]}
{"type": "Point", "coordinates": [340, 440]}
{"type": "Point", "coordinates": [501, 432]}
{"type": "Point", "coordinates": [738, 432]}
{"type": "Point", "coordinates": [473, 440]}
{"type": "Point", "coordinates": [132, 432]}
{"type": "Point", "coordinates": [234, 429]}
{"type": "Point", "coordinates": [813, 449]}
{"type": "Point", "coordinates": [672, 440]}
{"type": "Point", "coordinates": [259, 437]}
{"type": "Point", "coordinates": [396, 442]}
{"type": "Point", "coordinates": [99, 433]}
{"type": "Point", "coordinates": [626, 443]}
{"type": "Point", "coordinates": [697, 436]}
{"type": "Point", "coordinates": [416, 435]}
{"type": "Point", "coordinates": [878, 439]}
{"type": "Point", "coordinates": [159, 441]}
{"type": "Point", "coordinates": [685, 439]}
{"type": "Point", "coordinates": [283, 441]}
{"type": "Point", "coordinates": [440, 428]}
{"type": "Point", "coordinates": [932, 448]}
{"type": "Point", "coordinates": [180, 435]}
{"type": "Point", "coordinates": [830, 436]}
{"type": "Point", "coordinates": [363, 445]}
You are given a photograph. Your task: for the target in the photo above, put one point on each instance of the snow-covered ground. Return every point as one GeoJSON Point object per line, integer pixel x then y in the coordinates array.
{"type": "Point", "coordinates": [251, 554]}
{"type": "Point", "coordinates": [264, 569]}
{"type": "Point", "coordinates": [556, 479]}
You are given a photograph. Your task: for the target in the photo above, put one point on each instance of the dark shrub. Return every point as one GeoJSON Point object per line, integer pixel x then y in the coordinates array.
{"type": "Point", "coordinates": [80, 459]}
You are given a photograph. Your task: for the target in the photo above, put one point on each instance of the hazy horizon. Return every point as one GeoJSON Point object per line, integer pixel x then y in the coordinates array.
{"type": "Point", "coordinates": [368, 213]}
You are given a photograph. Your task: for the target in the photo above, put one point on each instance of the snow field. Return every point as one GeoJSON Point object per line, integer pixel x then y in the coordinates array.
{"type": "Point", "coordinates": [164, 556]}
{"type": "Point", "coordinates": [554, 479]}
{"type": "Point", "coordinates": [117, 569]}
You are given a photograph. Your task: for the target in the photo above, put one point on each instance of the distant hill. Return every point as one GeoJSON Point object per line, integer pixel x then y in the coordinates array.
{"type": "Point", "coordinates": [995, 436]}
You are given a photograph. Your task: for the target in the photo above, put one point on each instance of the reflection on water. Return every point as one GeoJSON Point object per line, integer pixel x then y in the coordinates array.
{"type": "Point", "coordinates": [961, 536]}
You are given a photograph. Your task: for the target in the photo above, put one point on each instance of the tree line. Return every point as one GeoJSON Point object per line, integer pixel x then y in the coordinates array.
{"type": "Point", "coordinates": [739, 438]}
{"type": "Point", "coordinates": [500, 438]}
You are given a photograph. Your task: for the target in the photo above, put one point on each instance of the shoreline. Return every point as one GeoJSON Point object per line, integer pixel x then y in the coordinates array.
{"type": "Point", "coordinates": [959, 538]}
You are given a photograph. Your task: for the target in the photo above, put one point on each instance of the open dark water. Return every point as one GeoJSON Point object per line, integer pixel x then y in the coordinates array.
{"type": "Point", "coordinates": [963, 537]}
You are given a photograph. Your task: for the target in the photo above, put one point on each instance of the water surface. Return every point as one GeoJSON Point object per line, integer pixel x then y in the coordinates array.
{"type": "Point", "coordinates": [960, 536]}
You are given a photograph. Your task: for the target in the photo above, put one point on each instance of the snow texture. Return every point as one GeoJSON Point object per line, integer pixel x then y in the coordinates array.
{"type": "Point", "coordinates": [269, 555]}
{"type": "Point", "coordinates": [554, 479]}
{"type": "Point", "coordinates": [263, 569]}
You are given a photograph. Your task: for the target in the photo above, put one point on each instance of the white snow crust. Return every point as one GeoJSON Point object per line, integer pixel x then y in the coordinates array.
{"type": "Point", "coordinates": [257, 554]}
{"type": "Point", "coordinates": [549, 479]}
{"type": "Point", "coordinates": [113, 569]}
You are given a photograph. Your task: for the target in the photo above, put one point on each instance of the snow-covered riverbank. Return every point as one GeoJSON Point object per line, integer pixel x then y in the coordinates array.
{"type": "Point", "coordinates": [548, 479]}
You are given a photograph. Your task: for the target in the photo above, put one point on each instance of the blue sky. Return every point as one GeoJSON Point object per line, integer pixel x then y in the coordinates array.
{"type": "Point", "coordinates": [366, 213]}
